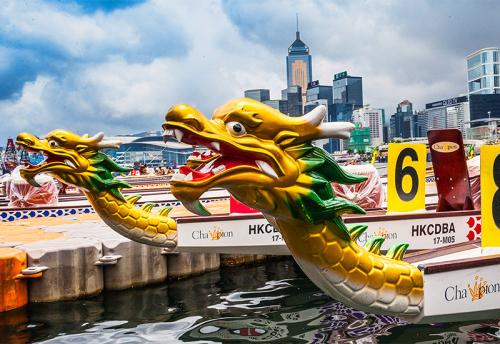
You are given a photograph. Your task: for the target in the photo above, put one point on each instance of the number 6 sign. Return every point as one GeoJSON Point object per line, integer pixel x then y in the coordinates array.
{"type": "Point", "coordinates": [490, 195]}
{"type": "Point", "coordinates": [406, 177]}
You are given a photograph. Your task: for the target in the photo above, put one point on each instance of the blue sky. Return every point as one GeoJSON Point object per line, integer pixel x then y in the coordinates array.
{"type": "Point", "coordinates": [118, 66]}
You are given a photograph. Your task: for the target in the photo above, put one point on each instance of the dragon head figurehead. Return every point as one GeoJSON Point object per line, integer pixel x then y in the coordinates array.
{"type": "Point", "coordinates": [74, 160]}
{"type": "Point", "coordinates": [262, 157]}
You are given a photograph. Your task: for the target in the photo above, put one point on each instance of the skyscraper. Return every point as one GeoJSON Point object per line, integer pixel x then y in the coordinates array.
{"type": "Point", "coordinates": [402, 121]}
{"type": "Point", "coordinates": [293, 97]}
{"type": "Point", "coordinates": [483, 71]}
{"type": "Point", "coordinates": [316, 95]}
{"type": "Point", "coordinates": [347, 97]}
{"type": "Point", "coordinates": [299, 64]}
{"type": "Point", "coordinates": [348, 90]}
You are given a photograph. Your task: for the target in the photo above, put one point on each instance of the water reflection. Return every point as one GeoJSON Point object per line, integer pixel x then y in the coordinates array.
{"type": "Point", "coordinates": [266, 303]}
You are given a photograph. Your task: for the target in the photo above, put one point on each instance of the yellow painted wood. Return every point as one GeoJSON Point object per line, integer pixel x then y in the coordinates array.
{"type": "Point", "coordinates": [490, 195]}
{"type": "Point", "coordinates": [406, 177]}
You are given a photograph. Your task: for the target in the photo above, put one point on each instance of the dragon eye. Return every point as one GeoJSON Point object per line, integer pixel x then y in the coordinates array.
{"type": "Point", "coordinates": [236, 128]}
{"type": "Point", "coordinates": [53, 143]}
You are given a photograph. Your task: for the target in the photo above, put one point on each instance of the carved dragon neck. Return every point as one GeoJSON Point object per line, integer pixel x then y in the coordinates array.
{"type": "Point", "coordinates": [138, 224]}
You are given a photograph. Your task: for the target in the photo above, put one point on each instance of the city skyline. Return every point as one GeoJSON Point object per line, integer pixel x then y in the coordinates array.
{"type": "Point", "coordinates": [118, 67]}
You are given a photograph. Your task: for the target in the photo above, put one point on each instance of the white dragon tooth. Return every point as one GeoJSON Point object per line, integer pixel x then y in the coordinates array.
{"type": "Point", "coordinates": [178, 134]}
{"type": "Point", "coordinates": [189, 176]}
{"type": "Point", "coordinates": [207, 167]}
{"type": "Point", "coordinates": [216, 145]}
{"type": "Point", "coordinates": [178, 177]}
{"type": "Point", "coordinates": [218, 169]}
{"type": "Point", "coordinates": [168, 132]}
{"type": "Point", "coordinates": [266, 168]}
{"type": "Point", "coordinates": [69, 163]}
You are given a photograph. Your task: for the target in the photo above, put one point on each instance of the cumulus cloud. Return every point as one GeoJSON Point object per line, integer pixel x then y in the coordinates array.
{"type": "Point", "coordinates": [119, 68]}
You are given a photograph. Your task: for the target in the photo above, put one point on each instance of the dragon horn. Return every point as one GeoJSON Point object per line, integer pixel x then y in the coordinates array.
{"type": "Point", "coordinates": [108, 144]}
{"type": "Point", "coordinates": [339, 130]}
{"type": "Point", "coordinates": [96, 138]}
{"type": "Point", "coordinates": [316, 115]}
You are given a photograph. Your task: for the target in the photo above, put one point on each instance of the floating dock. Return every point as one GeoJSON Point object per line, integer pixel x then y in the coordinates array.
{"type": "Point", "coordinates": [63, 257]}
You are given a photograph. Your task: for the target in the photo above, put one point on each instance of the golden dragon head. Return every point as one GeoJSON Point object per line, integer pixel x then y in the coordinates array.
{"type": "Point", "coordinates": [263, 157]}
{"type": "Point", "coordinates": [74, 160]}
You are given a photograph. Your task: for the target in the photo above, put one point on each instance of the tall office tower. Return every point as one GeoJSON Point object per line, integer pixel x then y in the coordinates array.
{"type": "Point", "coordinates": [402, 121]}
{"type": "Point", "coordinates": [367, 117]}
{"type": "Point", "coordinates": [348, 90]}
{"type": "Point", "coordinates": [299, 64]}
{"type": "Point", "coordinates": [293, 97]}
{"type": "Point", "coordinates": [260, 94]}
{"type": "Point", "coordinates": [483, 71]}
{"type": "Point", "coordinates": [420, 124]}
{"type": "Point", "coordinates": [347, 97]}
{"type": "Point", "coordinates": [317, 94]}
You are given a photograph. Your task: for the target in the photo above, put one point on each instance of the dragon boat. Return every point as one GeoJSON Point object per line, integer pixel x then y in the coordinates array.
{"type": "Point", "coordinates": [266, 160]}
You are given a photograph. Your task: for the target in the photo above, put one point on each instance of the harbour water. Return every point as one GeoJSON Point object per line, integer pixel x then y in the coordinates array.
{"type": "Point", "coordinates": [268, 303]}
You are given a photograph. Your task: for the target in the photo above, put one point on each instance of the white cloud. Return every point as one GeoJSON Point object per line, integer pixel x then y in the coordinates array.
{"type": "Point", "coordinates": [120, 71]}
{"type": "Point", "coordinates": [121, 95]}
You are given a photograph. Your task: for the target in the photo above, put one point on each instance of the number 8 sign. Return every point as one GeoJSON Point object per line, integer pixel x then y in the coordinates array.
{"type": "Point", "coordinates": [490, 195]}
{"type": "Point", "coordinates": [406, 177]}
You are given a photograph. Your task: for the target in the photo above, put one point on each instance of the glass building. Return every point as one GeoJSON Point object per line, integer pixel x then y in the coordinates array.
{"type": "Point", "coordinates": [280, 105]}
{"type": "Point", "coordinates": [299, 65]}
{"type": "Point", "coordinates": [316, 95]}
{"type": "Point", "coordinates": [402, 121]}
{"type": "Point", "coordinates": [448, 113]}
{"type": "Point", "coordinates": [293, 97]}
{"type": "Point", "coordinates": [483, 71]}
{"type": "Point", "coordinates": [347, 97]}
{"type": "Point", "coordinates": [260, 94]}
{"type": "Point", "coordinates": [348, 90]}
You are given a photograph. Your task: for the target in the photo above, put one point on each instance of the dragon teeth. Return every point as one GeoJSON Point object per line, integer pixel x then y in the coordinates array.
{"type": "Point", "coordinates": [216, 145]}
{"type": "Point", "coordinates": [218, 169]}
{"type": "Point", "coordinates": [207, 167]}
{"type": "Point", "coordinates": [178, 177]}
{"type": "Point", "coordinates": [168, 132]}
{"type": "Point", "coordinates": [178, 134]}
{"type": "Point", "coordinates": [266, 168]}
{"type": "Point", "coordinates": [69, 163]}
{"type": "Point", "coordinates": [189, 177]}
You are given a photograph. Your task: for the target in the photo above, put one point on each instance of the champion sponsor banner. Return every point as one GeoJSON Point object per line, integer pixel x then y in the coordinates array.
{"type": "Point", "coordinates": [420, 233]}
{"type": "Point", "coordinates": [227, 233]}
{"type": "Point", "coordinates": [424, 233]}
{"type": "Point", "coordinates": [462, 291]}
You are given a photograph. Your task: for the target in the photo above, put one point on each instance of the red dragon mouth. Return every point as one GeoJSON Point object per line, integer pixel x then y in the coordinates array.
{"type": "Point", "coordinates": [221, 157]}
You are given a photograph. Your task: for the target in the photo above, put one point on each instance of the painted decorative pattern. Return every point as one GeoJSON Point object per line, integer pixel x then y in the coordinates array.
{"type": "Point", "coordinates": [23, 214]}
